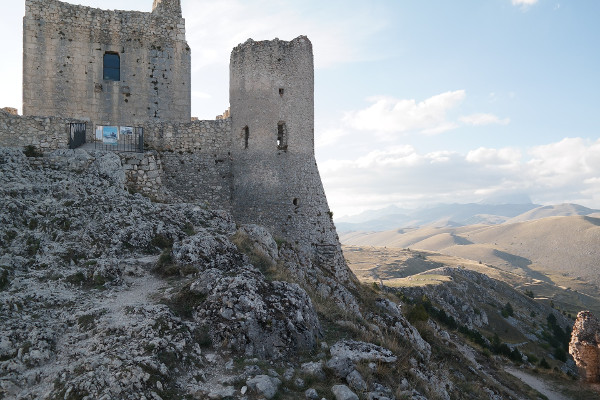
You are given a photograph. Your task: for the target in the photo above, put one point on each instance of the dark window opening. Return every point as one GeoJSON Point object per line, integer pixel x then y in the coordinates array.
{"type": "Point", "coordinates": [246, 133]}
{"type": "Point", "coordinates": [281, 92]}
{"type": "Point", "coordinates": [281, 136]}
{"type": "Point", "coordinates": [112, 67]}
{"type": "Point", "coordinates": [295, 202]}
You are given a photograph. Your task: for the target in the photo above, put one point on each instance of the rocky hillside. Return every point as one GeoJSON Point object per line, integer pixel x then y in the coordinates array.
{"type": "Point", "coordinates": [105, 294]}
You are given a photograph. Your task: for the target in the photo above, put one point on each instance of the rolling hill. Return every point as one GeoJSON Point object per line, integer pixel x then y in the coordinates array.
{"type": "Point", "coordinates": [559, 251]}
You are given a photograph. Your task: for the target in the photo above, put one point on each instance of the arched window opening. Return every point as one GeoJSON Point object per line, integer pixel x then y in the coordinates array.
{"type": "Point", "coordinates": [281, 136]}
{"type": "Point", "coordinates": [246, 135]}
{"type": "Point", "coordinates": [112, 67]}
{"type": "Point", "coordinates": [295, 202]}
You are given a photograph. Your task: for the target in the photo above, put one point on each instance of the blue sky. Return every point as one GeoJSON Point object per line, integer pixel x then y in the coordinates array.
{"type": "Point", "coordinates": [416, 102]}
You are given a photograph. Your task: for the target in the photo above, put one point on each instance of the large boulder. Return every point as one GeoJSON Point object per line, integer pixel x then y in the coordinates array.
{"type": "Point", "coordinates": [249, 314]}
{"type": "Point", "coordinates": [585, 345]}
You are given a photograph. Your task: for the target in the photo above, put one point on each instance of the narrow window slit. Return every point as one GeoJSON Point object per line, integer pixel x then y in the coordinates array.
{"type": "Point", "coordinates": [281, 136]}
{"type": "Point", "coordinates": [246, 134]}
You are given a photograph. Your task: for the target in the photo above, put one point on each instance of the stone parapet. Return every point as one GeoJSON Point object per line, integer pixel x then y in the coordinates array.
{"type": "Point", "coordinates": [43, 133]}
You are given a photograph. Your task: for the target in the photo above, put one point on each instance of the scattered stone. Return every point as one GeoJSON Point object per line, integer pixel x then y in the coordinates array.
{"type": "Point", "coordinates": [341, 366]}
{"type": "Point", "coordinates": [289, 374]}
{"type": "Point", "coordinates": [264, 385]}
{"type": "Point", "coordinates": [311, 394]}
{"type": "Point", "coordinates": [356, 381]}
{"type": "Point", "coordinates": [359, 351]}
{"type": "Point", "coordinates": [314, 369]}
{"type": "Point", "coordinates": [343, 392]}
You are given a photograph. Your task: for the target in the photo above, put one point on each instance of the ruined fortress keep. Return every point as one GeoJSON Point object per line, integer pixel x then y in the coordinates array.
{"type": "Point", "coordinates": [133, 68]}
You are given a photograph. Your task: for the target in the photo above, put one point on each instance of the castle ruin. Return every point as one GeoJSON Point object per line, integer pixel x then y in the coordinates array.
{"type": "Point", "coordinates": [134, 68]}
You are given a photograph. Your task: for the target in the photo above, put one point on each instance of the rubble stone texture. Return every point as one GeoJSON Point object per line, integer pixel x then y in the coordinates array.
{"type": "Point", "coordinates": [585, 345]}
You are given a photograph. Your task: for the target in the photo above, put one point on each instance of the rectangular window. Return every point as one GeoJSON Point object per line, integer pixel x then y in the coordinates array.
{"type": "Point", "coordinates": [112, 67]}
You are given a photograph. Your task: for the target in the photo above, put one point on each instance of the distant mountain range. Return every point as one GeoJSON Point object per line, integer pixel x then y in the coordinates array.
{"type": "Point", "coordinates": [454, 215]}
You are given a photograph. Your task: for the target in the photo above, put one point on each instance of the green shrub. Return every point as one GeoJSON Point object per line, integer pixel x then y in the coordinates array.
{"type": "Point", "coordinates": [76, 279]}
{"type": "Point", "coordinates": [507, 310]}
{"type": "Point", "coordinates": [162, 242]}
{"type": "Point", "coordinates": [31, 151]}
{"type": "Point", "coordinates": [184, 302]}
{"type": "Point", "coordinates": [87, 322]}
{"type": "Point", "coordinates": [188, 229]}
{"type": "Point", "coordinates": [4, 281]}
{"type": "Point", "coordinates": [544, 364]}
{"type": "Point", "coordinates": [417, 313]}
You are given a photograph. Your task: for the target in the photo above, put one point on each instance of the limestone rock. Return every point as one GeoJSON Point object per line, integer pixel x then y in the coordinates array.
{"type": "Point", "coordinates": [341, 366]}
{"type": "Point", "coordinates": [343, 392]}
{"type": "Point", "coordinates": [311, 394]}
{"type": "Point", "coordinates": [356, 381]}
{"type": "Point", "coordinates": [262, 239]}
{"type": "Point", "coordinates": [359, 351]}
{"type": "Point", "coordinates": [264, 385]}
{"type": "Point", "coordinates": [585, 345]}
{"type": "Point", "coordinates": [314, 369]}
{"type": "Point", "coordinates": [256, 317]}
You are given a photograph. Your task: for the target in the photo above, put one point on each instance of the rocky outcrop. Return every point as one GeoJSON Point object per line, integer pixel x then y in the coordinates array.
{"type": "Point", "coordinates": [77, 245]}
{"type": "Point", "coordinates": [585, 345]}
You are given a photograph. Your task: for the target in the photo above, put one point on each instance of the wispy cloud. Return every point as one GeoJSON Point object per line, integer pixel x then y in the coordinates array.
{"type": "Point", "coordinates": [524, 4]}
{"type": "Point", "coordinates": [214, 28]}
{"type": "Point", "coordinates": [483, 119]}
{"type": "Point", "coordinates": [388, 115]}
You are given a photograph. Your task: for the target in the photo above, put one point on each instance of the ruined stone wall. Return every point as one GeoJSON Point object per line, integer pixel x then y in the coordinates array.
{"type": "Point", "coordinates": [144, 173]}
{"type": "Point", "coordinates": [277, 185]}
{"type": "Point", "coordinates": [195, 158]}
{"type": "Point", "coordinates": [63, 63]}
{"type": "Point", "coordinates": [44, 133]}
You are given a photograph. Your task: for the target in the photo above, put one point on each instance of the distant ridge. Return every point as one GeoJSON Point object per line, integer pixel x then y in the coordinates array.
{"type": "Point", "coordinates": [452, 215]}
{"type": "Point", "coordinates": [560, 210]}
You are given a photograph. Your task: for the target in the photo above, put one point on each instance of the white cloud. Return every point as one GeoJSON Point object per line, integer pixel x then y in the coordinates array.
{"type": "Point", "coordinates": [564, 171]}
{"type": "Point", "coordinates": [388, 115]}
{"type": "Point", "coordinates": [505, 157]}
{"type": "Point", "coordinates": [329, 136]}
{"type": "Point", "coordinates": [524, 2]}
{"type": "Point", "coordinates": [483, 119]}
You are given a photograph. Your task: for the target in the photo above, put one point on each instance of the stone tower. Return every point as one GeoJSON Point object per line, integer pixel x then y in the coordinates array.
{"type": "Point", "coordinates": [170, 7]}
{"type": "Point", "coordinates": [276, 182]}
{"type": "Point", "coordinates": [106, 67]}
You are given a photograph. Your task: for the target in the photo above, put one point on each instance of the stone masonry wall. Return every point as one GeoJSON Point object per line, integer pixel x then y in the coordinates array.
{"type": "Point", "coordinates": [63, 63]}
{"type": "Point", "coordinates": [44, 133]}
{"type": "Point", "coordinates": [144, 173]}
{"type": "Point", "coordinates": [195, 158]}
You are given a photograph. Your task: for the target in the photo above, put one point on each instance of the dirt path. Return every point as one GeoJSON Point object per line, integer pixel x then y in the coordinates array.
{"type": "Point", "coordinates": [538, 384]}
